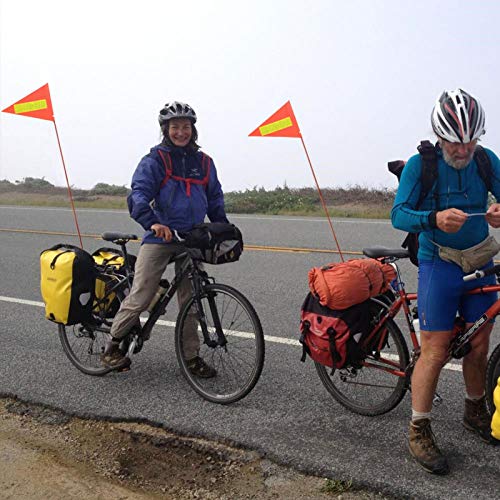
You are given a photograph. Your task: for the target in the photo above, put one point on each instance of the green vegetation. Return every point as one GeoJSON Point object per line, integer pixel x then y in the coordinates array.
{"type": "Point", "coordinates": [109, 189]}
{"type": "Point", "coordinates": [336, 486]}
{"type": "Point", "coordinates": [353, 201]}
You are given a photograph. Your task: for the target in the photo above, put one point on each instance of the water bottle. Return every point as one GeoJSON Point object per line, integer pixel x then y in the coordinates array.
{"type": "Point", "coordinates": [495, 423]}
{"type": "Point", "coordinates": [416, 323]}
{"type": "Point", "coordinates": [162, 288]}
{"type": "Point", "coordinates": [416, 326]}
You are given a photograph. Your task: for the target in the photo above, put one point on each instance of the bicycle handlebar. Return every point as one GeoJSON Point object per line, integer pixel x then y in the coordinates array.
{"type": "Point", "coordinates": [176, 236]}
{"type": "Point", "coordinates": [481, 274]}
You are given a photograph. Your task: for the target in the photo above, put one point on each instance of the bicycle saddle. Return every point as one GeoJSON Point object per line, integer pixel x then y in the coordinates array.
{"type": "Point", "coordinates": [376, 252]}
{"type": "Point", "coordinates": [117, 237]}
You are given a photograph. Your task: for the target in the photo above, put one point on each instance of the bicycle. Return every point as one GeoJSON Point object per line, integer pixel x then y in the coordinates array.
{"type": "Point", "coordinates": [382, 381]}
{"type": "Point", "coordinates": [231, 336]}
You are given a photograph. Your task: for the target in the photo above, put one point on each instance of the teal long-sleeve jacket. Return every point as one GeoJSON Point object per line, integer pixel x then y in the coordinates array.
{"type": "Point", "coordinates": [463, 189]}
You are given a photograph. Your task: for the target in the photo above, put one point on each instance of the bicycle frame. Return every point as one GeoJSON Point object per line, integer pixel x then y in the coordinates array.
{"type": "Point", "coordinates": [460, 343]}
{"type": "Point", "coordinates": [402, 301]}
{"type": "Point", "coordinates": [463, 338]}
{"type": "Point", "coordinates": [198, 278]}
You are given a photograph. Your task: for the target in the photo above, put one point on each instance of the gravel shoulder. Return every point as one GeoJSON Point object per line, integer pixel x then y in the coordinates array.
{"type": "Point", "coordinates": [47, 454]}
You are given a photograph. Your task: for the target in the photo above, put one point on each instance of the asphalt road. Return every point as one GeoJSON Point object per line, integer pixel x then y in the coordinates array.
{"type": "Point", "coordinates": [289, 416]}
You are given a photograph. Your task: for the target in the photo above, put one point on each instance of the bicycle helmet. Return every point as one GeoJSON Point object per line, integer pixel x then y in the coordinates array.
{"type": "Point", "coordinates": [176, 109]}
{"type": "Point", "coordinates": [458, 117]}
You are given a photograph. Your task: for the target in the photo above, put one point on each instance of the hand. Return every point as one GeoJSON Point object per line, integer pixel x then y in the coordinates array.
{"type": "Point", "coordinates": [451, 220]}
{"type": "Point", "coordinates": [493, 215]}
{"type": "Point", "coordinates": [161, 231]}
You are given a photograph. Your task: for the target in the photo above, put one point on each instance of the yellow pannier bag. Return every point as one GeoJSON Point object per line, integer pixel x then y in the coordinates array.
{"type": "Point", "coordinates": [113, 261]}
{"type": "Point", "coordinates": [67, 284]}
{"type": "Point", "coordinates": [102, 304]}
{"type": "Point", "coordinates": [495, 423]}
{"type": "Point", "coordinates": [109, 257]}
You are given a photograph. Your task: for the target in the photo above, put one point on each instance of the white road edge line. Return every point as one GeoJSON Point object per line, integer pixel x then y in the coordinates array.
{"type": "Point", "coordinates": [119, 211]}
{"type": "Point", "coordinates": [268, 338]}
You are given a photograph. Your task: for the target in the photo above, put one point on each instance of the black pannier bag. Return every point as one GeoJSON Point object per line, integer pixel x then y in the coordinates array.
{"type": "Point", "coordinates": [67, 283]}
{"type": "Point", "coordinates": [332, 337]}
{"type": "Point", "coordinates": [216, 242]}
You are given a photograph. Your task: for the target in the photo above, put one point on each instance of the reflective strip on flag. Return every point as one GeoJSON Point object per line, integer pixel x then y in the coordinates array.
{"type": "Point", "coordinates": [26, 107]}
{"type": "Point", "coordinates": [275, 126]}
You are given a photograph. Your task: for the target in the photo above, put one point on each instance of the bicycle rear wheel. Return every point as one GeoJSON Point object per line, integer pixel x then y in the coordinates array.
{"type": "Point", "coordinates": [84, 346]}
{"type": "Point", "coordinates": [238, 363]}
{"type": "Point", "coordinates": [371, 390]}
{"type": "Point", "coordinates": [492, 375]}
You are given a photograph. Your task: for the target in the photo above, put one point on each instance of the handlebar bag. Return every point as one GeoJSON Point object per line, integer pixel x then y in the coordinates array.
{"type": "Point", "coordinates": [67, 284]}
{"type": "Point", "coordinates": [216, 242]}
{"type": "Point", "coordinates": [341, 285]}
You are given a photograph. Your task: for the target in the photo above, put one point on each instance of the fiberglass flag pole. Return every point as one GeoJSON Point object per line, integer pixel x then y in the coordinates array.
{"type": "Point", "coordinates": [39, 105]}
{"type": "Point", "coordinates": [284, 124]}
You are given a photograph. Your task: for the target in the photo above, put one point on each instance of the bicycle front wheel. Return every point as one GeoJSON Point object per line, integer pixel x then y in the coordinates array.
{"type": "Point", "coordinates": [492, 375]}
{"type": "Point", "coordinates": [84, 346]}
{"type": "Point", "coordinates": [231, 321]}
{"type": "Point", "coordinates": [372, 389]}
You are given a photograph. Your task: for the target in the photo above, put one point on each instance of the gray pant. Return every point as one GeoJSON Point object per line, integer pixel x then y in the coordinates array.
{"type": "Point", "coordinates": [149, 268]}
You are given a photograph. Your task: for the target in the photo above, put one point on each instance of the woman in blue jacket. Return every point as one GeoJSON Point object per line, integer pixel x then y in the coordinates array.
{"type": "Point", "coordinates": [173, 188]}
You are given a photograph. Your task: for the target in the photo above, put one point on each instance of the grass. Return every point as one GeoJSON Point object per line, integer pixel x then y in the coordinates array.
{"type": "Point", "coordinates": [56, 200]}
{"type": "Point", "coordinates": [364, 209]}
{"type": "Point", "coordinates": [336, 486]}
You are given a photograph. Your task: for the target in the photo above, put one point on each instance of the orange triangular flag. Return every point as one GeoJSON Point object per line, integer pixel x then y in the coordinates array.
{"type": "Point", "coordinates": [280, 124]}
{"type": "Point", "coordinates": [36, 105]}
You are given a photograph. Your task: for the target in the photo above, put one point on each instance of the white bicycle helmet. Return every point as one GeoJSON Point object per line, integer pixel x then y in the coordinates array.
{"type": "Point", "coordinates": [458, 117]}
{"type": "Point", "coordinates": [176, 109]}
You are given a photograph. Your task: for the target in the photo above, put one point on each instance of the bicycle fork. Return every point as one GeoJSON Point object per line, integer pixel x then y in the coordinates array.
{"type": "Point", "coordinates": [220, 339]}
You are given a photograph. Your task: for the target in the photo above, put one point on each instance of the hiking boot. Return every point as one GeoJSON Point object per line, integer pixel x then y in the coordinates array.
{"type": "Point", "coordinates": [113, 357]}
{"type": "Point", "coordinates": [478, 420]}
{"type": "Point", "coordinates": [423, 447]}
{"type": "Point", "coordinates": [199, 368]}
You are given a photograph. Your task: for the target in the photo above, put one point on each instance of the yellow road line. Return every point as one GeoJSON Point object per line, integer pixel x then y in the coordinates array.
{"type": "Point", "coordinates": [262, 248]}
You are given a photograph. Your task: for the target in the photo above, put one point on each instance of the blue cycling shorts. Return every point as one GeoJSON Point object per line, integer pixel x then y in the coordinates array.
{"type": "Point", "coordinates": [441, 294]}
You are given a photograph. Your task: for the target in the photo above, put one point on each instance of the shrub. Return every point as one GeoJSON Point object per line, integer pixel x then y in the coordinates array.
{"type": "Point", "coordinates": [108, 189]}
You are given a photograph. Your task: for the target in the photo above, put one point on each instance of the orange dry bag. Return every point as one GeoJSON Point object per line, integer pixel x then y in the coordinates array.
{"type": "Point", "coordinates": [341, 285]}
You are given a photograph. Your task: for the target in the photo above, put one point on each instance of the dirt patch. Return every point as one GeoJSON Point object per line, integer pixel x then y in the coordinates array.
{"type": "Point", "coordinates": [47, 454]}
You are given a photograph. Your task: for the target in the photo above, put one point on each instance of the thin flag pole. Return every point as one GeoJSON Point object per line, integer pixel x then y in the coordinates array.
{"type": "Point", "coordinates": [38, 104]}
{"type": "Point", "coordinates": [322, 199]}
{"type": "Point", "coordinates": [283, 123]}
{"type": "Point", "coordinates": [67, 183]}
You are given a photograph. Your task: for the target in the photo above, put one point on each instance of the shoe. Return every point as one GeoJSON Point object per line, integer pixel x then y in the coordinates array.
{"type": "Point", "coordinates": [114, 358]}
{"type": "Point", "coordinates": [423, 447]}
{"type": "Point", "coordinates": [199, 368]}
{"type": "Point", "coordinates": [478, 420]}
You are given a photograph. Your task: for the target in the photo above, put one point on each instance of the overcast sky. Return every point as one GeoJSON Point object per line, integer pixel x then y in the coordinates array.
{"type": "Point", "coordinates": [362, 77]}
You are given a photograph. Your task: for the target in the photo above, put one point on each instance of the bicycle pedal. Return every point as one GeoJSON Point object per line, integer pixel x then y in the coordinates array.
{"type": "Point", "coordinates": [437, 400]}
{"type": "Point", "coordinates": [123, 369]}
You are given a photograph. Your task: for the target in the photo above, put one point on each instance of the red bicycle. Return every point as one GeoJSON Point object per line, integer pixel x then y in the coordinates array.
{"type": "Point", "coordinates": [381, 382]}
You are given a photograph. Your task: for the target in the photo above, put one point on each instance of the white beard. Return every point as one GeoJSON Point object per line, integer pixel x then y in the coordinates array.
{"type": "Point", "coordinates": [458, 165]}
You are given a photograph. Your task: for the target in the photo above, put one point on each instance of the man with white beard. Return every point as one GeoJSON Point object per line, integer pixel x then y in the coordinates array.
{"type": "Point", "coordinates": [453, 217]}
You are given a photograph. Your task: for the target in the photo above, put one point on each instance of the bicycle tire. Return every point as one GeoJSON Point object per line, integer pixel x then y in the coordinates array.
{"type": "Point", "coordinates": [83, 347]}
{"type": "Point", "coordinates": [360, 389]}
{"type": "Point", "coordinates": [492, 375]}
{"type": "Point", "coordinates": [238, 364]}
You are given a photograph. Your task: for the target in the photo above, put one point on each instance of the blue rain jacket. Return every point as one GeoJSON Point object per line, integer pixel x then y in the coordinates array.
{"type": "Point", "coordinates": [179, 200]}
{"type": "Point", "coordinates": [463, 189]}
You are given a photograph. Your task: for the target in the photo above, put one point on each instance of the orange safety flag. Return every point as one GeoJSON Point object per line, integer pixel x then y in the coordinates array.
{"type": "Point", "coordinates": [37, 105]}
{"type": "Point", "coordinates": [281, 124]}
